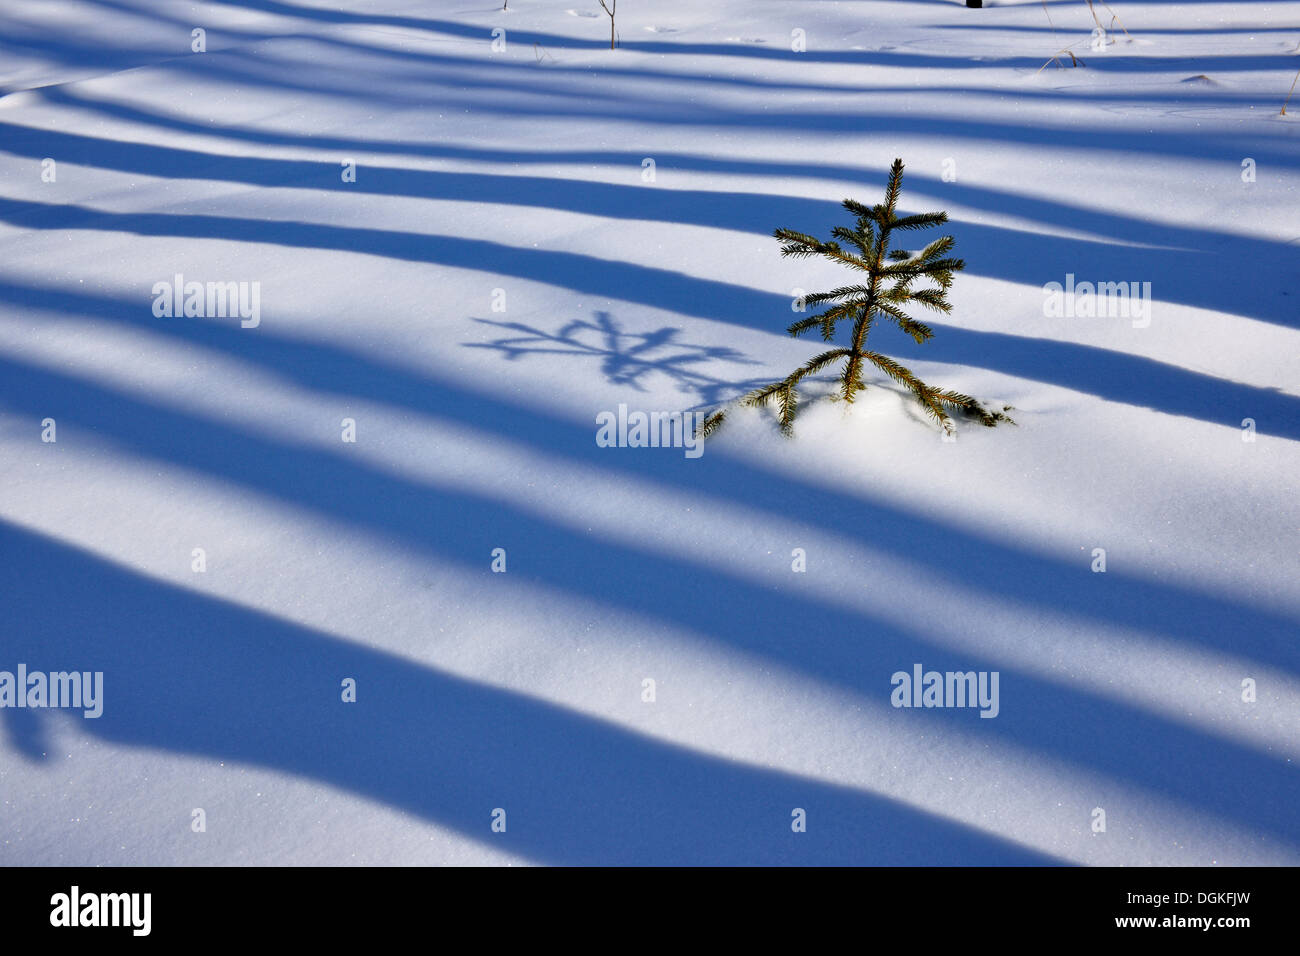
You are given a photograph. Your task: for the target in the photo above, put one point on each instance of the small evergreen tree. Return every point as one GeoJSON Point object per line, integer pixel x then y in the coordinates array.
{"type": "Point", "coordinates": [891, 282]}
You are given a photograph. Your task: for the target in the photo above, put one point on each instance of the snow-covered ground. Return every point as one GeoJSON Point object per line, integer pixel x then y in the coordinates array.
{"type": "Point", "coordinates": [503, 269]}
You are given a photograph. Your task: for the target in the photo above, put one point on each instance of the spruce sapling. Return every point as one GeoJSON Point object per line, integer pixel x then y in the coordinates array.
{"type": "Point", "coordinates": [892, 277]}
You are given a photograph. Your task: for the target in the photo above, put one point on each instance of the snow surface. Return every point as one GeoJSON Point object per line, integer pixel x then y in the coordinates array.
{"type": "Point", "coordinates": [522, 171]}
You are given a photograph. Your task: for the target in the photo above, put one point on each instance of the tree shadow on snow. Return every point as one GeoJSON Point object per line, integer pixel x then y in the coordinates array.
{"type": "Point", "coordinates": [1109, 374]}
{"type": "Point", "coordinates": [193, 675]}
{"type": "Point", "coordinates": [851, 649]}
{"type": "Point", "coordinates": [627, 359]}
